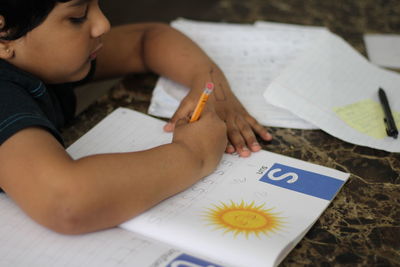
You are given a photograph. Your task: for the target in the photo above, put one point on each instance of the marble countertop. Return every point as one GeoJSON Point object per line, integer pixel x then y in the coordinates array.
{"type": "Point", "coordinates": [361, 227]}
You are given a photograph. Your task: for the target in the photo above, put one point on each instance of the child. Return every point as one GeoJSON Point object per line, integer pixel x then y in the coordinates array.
{"type": "Point", "coordinates": [45, 48]}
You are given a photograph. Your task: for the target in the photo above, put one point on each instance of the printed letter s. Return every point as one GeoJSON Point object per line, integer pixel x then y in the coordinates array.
{"type": "Point", "coordinates": [283, 176]}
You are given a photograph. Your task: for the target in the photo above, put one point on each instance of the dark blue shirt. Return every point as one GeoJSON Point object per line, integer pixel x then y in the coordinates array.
{"type": "Point", "coordinates": [25, 101]}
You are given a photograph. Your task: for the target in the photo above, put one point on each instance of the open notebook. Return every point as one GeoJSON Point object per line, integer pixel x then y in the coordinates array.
{"type": "Point", "coordinates": [249, 212]}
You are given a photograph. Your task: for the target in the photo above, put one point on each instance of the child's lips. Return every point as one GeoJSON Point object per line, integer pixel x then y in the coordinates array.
{"type": "Point", "coordinates": [93, 55]}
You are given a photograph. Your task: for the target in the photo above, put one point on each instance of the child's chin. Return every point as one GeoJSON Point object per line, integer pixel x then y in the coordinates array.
{"type": "Point", "coordinates": [81, 74]}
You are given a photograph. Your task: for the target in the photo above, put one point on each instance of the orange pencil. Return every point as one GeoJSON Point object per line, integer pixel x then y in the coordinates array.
{"type": "Point", "coordinates": [202, 101]}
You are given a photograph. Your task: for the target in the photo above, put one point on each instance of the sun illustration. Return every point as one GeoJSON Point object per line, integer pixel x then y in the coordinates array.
{"type": "Point", "coordinates": [244, 219]}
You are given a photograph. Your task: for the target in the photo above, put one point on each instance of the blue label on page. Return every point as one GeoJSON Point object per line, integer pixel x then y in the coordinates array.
{"type": "Point", "coordinates": [306, 182]}
{"type": "Point", "coordinates": [185, 260]}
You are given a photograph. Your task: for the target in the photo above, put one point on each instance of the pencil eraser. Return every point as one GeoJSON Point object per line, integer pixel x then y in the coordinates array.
{"type": "Point", "coordinates": [210, 85]}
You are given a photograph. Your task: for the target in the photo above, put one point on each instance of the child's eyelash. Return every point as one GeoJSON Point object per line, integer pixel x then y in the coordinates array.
{"type": "Point", "coordinates": [80, 20]}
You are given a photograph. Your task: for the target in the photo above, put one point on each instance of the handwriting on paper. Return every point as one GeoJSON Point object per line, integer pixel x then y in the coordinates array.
{"type": "Point", "coordinates": [365, 116]}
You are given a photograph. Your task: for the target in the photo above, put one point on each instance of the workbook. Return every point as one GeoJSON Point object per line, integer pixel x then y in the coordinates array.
{"type": "Point", "coordinates": [248, 212]}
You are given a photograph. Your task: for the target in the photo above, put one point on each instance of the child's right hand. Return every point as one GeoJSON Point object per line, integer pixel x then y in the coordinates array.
{"type": "Point", "coordinates": [205, 137]}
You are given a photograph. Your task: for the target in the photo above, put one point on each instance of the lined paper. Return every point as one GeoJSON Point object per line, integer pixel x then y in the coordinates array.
{"type": "Point", "coordinates": [251, 57]}
{"type": "Point", "coordinates": [178, 230]}
{"type": "Point", "coordinates": [25, 243]}
{"type": "Point", "coordinates": [259, 179]}
{"type": "Point", "coordinates": [330, 76]}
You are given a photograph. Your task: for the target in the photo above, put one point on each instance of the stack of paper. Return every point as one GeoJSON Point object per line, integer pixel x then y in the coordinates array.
{"type": "Point", "coordinates": [251, 56]}
{"type": "Point", "coordinates": [334, 87]}
{"type": "Point", "coordinates": [302, 70]}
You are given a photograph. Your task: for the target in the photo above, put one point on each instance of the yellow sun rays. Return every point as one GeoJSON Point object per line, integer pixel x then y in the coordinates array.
{"type": "Point", "coordinates": [244, 219]}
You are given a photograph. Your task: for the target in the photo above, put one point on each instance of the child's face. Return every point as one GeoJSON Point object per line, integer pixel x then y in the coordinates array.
{"type": "Point", "coordinates": [62, 47]}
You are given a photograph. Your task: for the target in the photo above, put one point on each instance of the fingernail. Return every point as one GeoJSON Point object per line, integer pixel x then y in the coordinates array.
{"type": "Point", "coordinates": [268, 136]}
{"type": "Point", "coordinates": [255, 146]}
{"type": "Point", "coordinates": [168, 127]}
{"type": "Point", "coordinates": [230, 149]}
{"type": "Point", "coordinates": [245, 152]}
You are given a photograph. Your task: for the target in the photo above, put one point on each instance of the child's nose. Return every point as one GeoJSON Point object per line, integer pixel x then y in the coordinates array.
{"type": "Point", "coordinates": [101, 25]}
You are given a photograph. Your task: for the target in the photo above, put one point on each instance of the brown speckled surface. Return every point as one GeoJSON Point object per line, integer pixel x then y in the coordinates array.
{"type": "Point", "coordinates": [362, 225]}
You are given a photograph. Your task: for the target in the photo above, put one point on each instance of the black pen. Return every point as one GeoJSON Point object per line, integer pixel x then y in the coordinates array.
{"type": "Point", "coordinates": [391, 128]}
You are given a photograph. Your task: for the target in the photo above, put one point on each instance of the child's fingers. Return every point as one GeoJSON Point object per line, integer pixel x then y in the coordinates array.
{"type": "Point", "coordinates": [180, 122]}
{"type": "Point", "coordinates": [229, 148]}
{"type": "Point", "coordinates": [183, 111]}
{"type": "Point", "coordinates": [236, 139]}
{"type": "Point", "coordinates": [258, 128]}
{"type": "Point", "coordinates": [248, 134]}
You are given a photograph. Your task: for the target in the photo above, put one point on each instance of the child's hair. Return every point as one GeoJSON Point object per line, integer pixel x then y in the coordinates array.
{"type": "Point", "coordinates": [22, 16]}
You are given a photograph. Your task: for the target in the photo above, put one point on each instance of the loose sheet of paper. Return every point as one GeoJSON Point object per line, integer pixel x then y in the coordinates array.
{"type": "Point", "coordinates": [330, 80]}
{"type": "Point", "coordinates": [308, 32]}
{"type": "Point", "coordinates": [259, 229]}
{"type": "Point", "coordinates": [251, 57]}
{"type": "Point", "coordinates": [383, 49]}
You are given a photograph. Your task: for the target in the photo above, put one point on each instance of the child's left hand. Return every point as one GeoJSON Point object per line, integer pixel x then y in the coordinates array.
{"type": "Point", "coordinates": [241, 126]}
{"type": "Point", "coordinates": [167, 52]}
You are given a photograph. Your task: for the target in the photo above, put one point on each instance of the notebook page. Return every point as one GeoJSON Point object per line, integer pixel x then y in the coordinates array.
{"type": "Point", "coordinates": [122, 131]}
{"type": "Point", "coordinates": [26, 244]}
{"type": "Point", "coordinates": [239, 186]}
{"type": "Point", "coordinates": [250, 57]}
{"type": "Point", "coordinates": [252, 187]}
{"type": "Point", "coordinates": [334, 87]}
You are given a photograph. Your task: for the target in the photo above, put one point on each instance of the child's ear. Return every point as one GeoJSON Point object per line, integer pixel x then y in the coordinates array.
{"type": "Point", "coordinates": [6, 50]}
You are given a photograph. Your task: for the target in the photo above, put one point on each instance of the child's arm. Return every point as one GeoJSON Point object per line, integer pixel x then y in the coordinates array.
{"type": "Point", "coordinates": [160, 48]}
{"type": "Point", "coordinates": [101, 191]}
